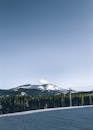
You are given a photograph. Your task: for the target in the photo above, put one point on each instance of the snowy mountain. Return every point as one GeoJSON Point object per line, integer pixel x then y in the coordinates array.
{"type": "Point", "coordinates": [37, 90]}
{"type": "Point", "coordinates": [43, 87]}
{"type": "Point", "coordinates": [34, 90]}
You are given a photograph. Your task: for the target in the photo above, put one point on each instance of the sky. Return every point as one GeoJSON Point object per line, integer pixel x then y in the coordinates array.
{"type": "Point", "coordinates": [50, 40]}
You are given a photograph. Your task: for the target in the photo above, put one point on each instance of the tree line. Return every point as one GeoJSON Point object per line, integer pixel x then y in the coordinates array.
{"type": "Point", "coordinates": [19, 103]}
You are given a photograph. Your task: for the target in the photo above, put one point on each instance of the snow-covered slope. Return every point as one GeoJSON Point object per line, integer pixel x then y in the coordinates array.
{"type": "Point", "coordinates": [40, 87]}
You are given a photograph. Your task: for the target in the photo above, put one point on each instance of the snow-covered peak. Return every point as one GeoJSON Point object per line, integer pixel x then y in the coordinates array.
{"type": "Point", "coordinates": [46, 85]}
{"type": "Point", "coordinates": [39, 87]}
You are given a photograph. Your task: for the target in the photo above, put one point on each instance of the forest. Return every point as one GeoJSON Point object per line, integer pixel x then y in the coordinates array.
{"type": "Point", "coordinates": [11, 104]}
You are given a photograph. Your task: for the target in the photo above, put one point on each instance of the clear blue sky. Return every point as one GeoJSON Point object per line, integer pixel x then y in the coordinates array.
{"type": "Point", "coordinates": [46, 39]}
